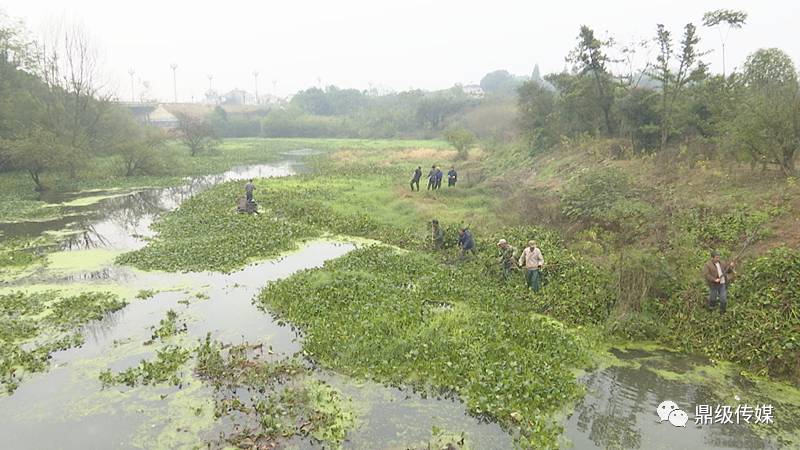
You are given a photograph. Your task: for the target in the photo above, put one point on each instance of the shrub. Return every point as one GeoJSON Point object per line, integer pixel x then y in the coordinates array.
{"type": "Point", "coordinates": [606, 197]}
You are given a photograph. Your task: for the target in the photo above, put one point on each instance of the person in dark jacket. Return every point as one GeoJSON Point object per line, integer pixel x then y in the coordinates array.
{"type": "Point", "coordinates": [439, 176]}
{"type": "Point", "coordinates": [415, 178]}
{"type": "Point", "coordinates": [432, 178]}
{"type": "Point", "coordinates": [718, 276]}
{"type": "Point", "coordinates": [437, 235]}
{"type": "Point", "coordinates": [465, 242]}
{"type": "Point", "coordinates": [248, 190]}
{"type": "Point", "coordinates": [452, 177]}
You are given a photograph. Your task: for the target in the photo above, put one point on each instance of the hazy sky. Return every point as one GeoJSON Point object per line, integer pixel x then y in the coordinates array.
{"type": "Point", "coordinates": [393, 44]}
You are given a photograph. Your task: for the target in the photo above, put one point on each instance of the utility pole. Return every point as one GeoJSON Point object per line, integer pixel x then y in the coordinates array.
{"type": "Point", "coordinates": [174, 81]}
{"type": "Point", "coordinates": [274, 83]}
{"type": "Point", "coordinates": [210, 77]}
{"type": "Point", "coordinates": [255, 75]}
{"type": "Point", "coordinates": [133, 95]}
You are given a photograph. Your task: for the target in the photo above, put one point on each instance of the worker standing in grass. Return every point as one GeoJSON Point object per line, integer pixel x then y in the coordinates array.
{"type": "Point", "coordinates": [432, 178]}
{"type": "Point", "coordinates": [415, 178]}
{"type": "Point", "coordinates": [452, 177]}
{"type": "Point", "coordinates": [465, 242]}
{"type": "Point", "coordinates": [437, 235]}
{"type": "Point", "coordinates": [248, 191]}
{"type": "Point", "coordinates": [533, 261]}
{"type": "Point", "coordinates": [439, 175]}
{"type": "Point", "coordinates": [718, 275]}
{"type": "Point", "coordinates": [506, 258]}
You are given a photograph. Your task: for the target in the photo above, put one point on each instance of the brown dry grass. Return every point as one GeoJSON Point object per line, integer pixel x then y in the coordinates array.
{"type": "Point", "coordinates": [344, 156]}
{"type": "Point", "coordinates": [423, 154]}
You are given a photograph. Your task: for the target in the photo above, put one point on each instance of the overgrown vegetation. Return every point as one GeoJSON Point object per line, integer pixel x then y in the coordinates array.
{"type": "Point", "coordinates": [164, 368]}
{"type": "Point", "coordinates": [270, 400]}
{"type": "Point", "coordinates": [179, 247]}
{"type": "Point", "coordinates": [168, 327]}
{"type": "Point", "coordinates": [762, 329]}
{"type": "Point", "coordinates": [34, 325]}
{"type": "Point", "coordinates": [376, 313]}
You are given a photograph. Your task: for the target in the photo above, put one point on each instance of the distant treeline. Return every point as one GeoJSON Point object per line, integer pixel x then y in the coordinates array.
{"type": "Point", "coordinates": [351, 113]}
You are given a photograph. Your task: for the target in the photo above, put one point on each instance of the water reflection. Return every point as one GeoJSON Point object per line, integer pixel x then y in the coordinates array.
{"type": "Point", "coordinates": [121, 222]}
{"type": "Point", "coordinates": [619, 410]}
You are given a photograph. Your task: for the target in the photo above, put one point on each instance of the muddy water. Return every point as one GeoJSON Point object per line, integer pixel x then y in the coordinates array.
{"type": "Point", "coordinates": [66, 406]}
{"type": "Point", "coordinates": [619, 409]}
{"type": "Point", "coordinates": [118, 222]}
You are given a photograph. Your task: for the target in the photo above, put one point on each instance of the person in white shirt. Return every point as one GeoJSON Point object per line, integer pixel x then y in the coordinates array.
{"type": "Point", "coordinates": [533, 261]}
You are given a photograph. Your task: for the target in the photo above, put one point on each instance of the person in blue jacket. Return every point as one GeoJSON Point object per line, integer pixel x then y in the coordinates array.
{"type": "Point", "coordinates": [452, 177]}
{"type": "Point", "coordinates": [465, 242]}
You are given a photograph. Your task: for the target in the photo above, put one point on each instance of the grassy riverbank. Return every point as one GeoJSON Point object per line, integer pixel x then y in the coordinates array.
{"type": "Point", "coordinates": [20, 202]}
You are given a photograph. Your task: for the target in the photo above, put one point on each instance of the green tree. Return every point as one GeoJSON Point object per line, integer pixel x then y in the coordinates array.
{"type": "Point", "coordinates": [590, 58]}
{"type": "Point", "coordinates": [499, 82]}
{"type": "Point", "coordinates": [196, 133]}
{"type": "Point", "coordinates": [576, 108]}
{"type": "Point", "coordinates": [433, 109]}
{"type": "Point", "coordinates": [332, 101]}
{"type": "Point", "coordinates": [767, 126]}
{"type": "Point", "coordinates": [734, 21]}
{"type": "Point", "coordinates": [673, 84]}
{"type": "Point", "coordinates": [17, 84]}
{"type": "Point", "coordinates": [712, 106]}
{"type": "Point", "coordinates": [313, 100]}
{"type": "Point", "coordinates": [460, 138]}
{"type": "Point", "coordinates": [144, 153]}
{"type": "Point", "coordinates": [640, 120]}
{"type": "Point", "coordinates": [536, 107]}
{"type": "Point", "coordinates": [37, 150]}
{"type": "Point", "coordinates": [137, 148]}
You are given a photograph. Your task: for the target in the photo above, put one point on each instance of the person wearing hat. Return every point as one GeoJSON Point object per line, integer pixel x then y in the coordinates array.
{"type": "Point", "coordinates": [465, 242]}
{"type": "Point", "coordinates": [718, 276]}
{"type": "Point", "coordinates": [533, 261]}
{"type": "Point", "coordinates": [506, 257]}
{"type": "Point", "coordinates": [437, 235]}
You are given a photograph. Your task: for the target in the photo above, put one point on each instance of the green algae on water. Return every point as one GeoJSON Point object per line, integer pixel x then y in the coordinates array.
{"type": "Point", "coordinates": [35, 324]}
